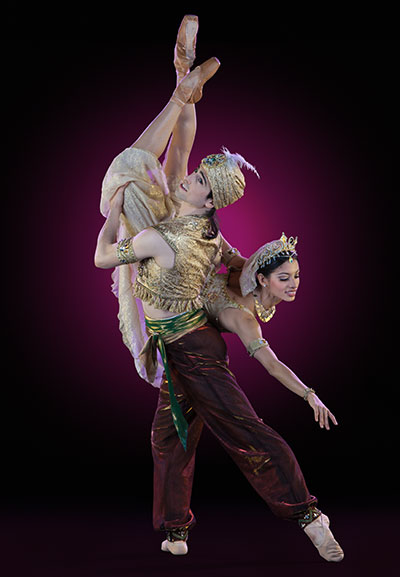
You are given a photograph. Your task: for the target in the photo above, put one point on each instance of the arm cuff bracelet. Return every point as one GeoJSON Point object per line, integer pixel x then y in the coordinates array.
{"type": "Point", "coordinates": [228, 255]}
{"type": "Point", "coordinates": [253, 347]}
{"type": "Point", "coordinates": [308, 392]}
{"type": "Point", "coordinates": [125, 252]}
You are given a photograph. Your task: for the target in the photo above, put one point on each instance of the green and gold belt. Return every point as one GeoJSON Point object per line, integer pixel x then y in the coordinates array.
{"type": "Point", "coordinates": [166, 331]}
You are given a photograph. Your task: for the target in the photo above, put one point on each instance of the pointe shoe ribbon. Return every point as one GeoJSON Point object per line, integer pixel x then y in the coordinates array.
{"type": "Point", "coordinates": [190, 90]}
{"type": "Point", "coordinates": [185, 47]}
{"type": "Point", "coordinates": [321, 536]}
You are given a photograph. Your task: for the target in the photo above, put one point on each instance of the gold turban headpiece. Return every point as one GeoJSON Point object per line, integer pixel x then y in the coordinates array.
{"type": "Point", "coordinates": [263, 257]}
{"type": "Point", "coordinates": [224, 174]}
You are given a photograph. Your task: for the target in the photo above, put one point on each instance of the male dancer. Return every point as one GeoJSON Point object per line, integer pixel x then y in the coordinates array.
{"type": "Point", "coordinates": [176, 256]}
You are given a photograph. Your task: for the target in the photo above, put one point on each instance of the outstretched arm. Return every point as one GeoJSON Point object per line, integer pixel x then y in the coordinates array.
{"type": "Point", "coordinates": [231, 257]}
{"type": "Point", "coordinates": [148, 243]}
{"type": "Point", "coordinates": [248, 330]}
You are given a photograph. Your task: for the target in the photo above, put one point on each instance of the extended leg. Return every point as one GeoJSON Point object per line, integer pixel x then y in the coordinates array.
{"type": "Point", "coordinates": [180, 145]}
{"type": "Point", "coordinates": [183, 135]}
{"type": "Point", "coordinates": [156, 135]}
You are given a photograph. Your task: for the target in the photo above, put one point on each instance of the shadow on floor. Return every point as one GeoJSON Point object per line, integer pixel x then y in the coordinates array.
{"type": "Point", "coordinates": [240, 541]}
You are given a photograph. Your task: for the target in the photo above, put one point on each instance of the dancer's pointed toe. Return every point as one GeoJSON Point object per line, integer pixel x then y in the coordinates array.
{"type": "Point", "coordinates": [185, 47]}
{"type": "Point", "coordinates": [190, 90]}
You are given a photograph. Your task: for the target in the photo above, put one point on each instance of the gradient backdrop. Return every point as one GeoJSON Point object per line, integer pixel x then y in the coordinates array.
{"type": "Point", "coordinates": [306, 99]}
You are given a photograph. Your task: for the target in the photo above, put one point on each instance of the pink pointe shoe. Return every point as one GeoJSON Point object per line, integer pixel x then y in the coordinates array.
{"type": "Point", "coordinates": [190, 90]}
{"type": "Point", "coordinates": [185, 47]}
{"type": "Point", "coordinates": [321, 536]}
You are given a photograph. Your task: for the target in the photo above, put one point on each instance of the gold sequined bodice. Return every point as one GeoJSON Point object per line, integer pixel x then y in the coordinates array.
{"type": "Point", "coordinates": [216, 298]}
{"type": "Point", "coordinates": [179, 289]}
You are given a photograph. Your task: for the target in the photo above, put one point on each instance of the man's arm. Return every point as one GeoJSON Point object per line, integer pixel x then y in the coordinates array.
{"type": "Point", "coordinates": [148, 243]}
{"type": "Point", "coordinates": [231, 257]}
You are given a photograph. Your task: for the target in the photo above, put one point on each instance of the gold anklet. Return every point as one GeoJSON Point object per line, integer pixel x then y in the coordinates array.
{"type": "Point", "coordinates": [309, 516]}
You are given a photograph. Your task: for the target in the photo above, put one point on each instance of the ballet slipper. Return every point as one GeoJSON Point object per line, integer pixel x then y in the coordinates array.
{"type": "Point", "coordinates": [190, 89]}
{"type": "Point", "coordinates": [174, 547]}
{"type": "Point", "coordinates": [321, 536]}
{"type": "Point", "coordinates": [185, 47]}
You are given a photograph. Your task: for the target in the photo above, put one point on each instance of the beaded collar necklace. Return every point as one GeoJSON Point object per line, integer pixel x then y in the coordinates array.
{"type": "Point", "coordinates": [263, 314]}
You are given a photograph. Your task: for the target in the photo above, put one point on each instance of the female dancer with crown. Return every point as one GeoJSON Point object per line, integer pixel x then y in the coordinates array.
{"type": "Point", "coordinates": [237, 300]}
{"type": "Point", "coordinates": [178, 249]}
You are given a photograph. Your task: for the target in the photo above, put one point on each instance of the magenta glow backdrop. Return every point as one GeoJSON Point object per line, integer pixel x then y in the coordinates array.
{"type": "Point", "coordinates": [291, 111]}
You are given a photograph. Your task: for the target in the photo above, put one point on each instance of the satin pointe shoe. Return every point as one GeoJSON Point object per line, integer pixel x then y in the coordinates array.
{"type": "Point", "coordinates": [185, 47]}
{"type": "Point", "coordinates": [321, 536]}
{"type": "Point", "coordinates": [190, 89]}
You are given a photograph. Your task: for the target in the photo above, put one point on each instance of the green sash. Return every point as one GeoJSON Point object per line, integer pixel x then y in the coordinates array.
{"type": "Point", "coordinates": [162, 332]}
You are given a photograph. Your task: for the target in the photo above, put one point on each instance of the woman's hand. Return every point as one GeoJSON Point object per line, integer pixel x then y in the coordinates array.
{"type": "Point", "coordinates": [117, 200]}
{"type": "Point", "coordinates": [321, 413]}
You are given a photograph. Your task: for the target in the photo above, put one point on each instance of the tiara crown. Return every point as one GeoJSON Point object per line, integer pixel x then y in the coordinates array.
{"type": "Point", "coordinates": [282, 247]}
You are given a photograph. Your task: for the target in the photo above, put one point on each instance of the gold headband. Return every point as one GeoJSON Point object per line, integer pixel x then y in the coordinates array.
{"type": "Point", "coordinates": [264, 256]}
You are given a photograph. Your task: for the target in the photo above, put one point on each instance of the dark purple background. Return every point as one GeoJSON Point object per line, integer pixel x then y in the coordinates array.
{"type": "Point", "coordinates": [308, 102]}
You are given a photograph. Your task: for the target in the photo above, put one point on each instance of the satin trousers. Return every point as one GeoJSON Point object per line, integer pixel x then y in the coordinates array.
{"type": "Point", "coordinates": [209, 395]}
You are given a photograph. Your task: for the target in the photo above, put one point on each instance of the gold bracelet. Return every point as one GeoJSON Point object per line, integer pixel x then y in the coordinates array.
{"type": "Point", "coordinates": [307, 392]}
{"type": "Point", "coordinates": [228, 255]}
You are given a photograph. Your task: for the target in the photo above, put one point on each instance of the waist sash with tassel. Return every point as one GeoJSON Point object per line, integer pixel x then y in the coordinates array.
{"type": "Point", "coordinates": [162, 332]}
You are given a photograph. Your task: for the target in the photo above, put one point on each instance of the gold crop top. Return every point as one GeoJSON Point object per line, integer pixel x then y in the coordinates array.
{"type": "Point", "coordinates": [179, 289]}
{"type": "Point", "coordinates": [216, 298]}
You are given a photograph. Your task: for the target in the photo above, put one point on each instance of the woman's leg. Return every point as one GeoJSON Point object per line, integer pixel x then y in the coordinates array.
{"type": "Point", "coordinates": [156, 136]}
{"type": "Point", "coordinates": [184, 132]}
{"type": "Point", "coordinates": [180, 145]}
{"type": "Point", "coordinates": [178, 118]}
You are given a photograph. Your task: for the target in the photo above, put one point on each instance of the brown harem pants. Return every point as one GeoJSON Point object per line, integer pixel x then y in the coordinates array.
{"type": "Point", "coordinates": [209, 394]}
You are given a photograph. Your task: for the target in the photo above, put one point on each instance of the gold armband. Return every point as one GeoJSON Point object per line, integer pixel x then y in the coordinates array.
{"type": "Point", "coordinates": [228, 255]}
{"type": "Point", "coordinates": [253, 347]}
{"type": "Point", "coordinates": [125, 252]}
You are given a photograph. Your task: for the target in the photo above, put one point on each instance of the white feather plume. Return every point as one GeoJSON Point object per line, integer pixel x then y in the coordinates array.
{"type": "Point", "coordinates": [239, 160]}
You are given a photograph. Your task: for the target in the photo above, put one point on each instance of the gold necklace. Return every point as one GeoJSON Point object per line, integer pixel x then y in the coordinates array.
{"type": "Point", "coordinates": [263, 314]}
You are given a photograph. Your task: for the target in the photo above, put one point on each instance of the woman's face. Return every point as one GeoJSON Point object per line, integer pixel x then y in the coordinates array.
{"type": "Point", "coordinates": [194, 190]}
{"type": "Point", "coordinates": [283, 282]}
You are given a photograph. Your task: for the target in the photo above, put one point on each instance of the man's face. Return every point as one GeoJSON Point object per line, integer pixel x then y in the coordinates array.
{"type": "Point", "coordinates": [194, 189]}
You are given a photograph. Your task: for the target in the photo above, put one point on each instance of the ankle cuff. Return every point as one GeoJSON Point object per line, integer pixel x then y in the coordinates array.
{"type": "Point", "coordinates": [178, 535]}
{"type": "Point", "coordinates": [308, 516]}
